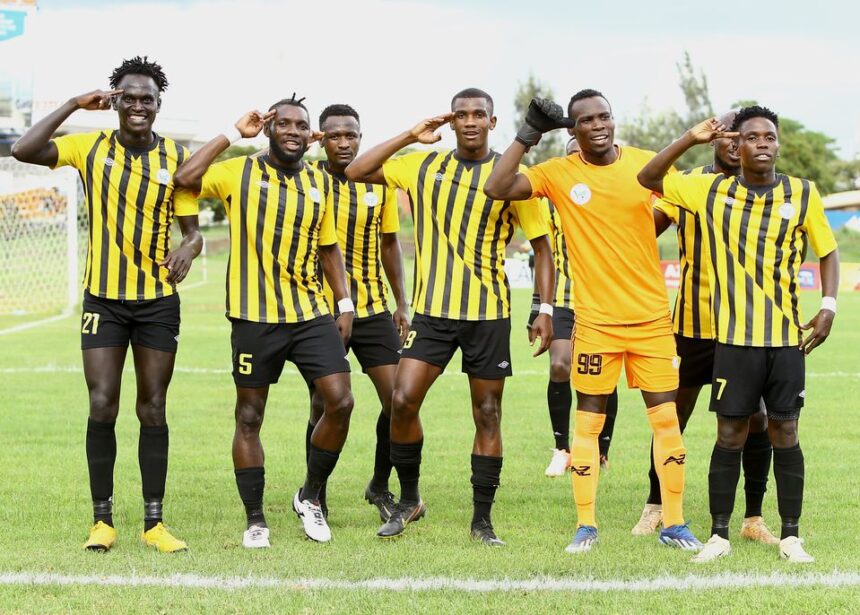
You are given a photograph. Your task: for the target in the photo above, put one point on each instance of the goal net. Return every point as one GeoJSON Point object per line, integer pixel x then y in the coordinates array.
{"type": "Point", "coordinates": [42, 238]}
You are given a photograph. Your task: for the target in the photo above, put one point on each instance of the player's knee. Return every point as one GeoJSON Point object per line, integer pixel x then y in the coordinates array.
{"type": "Point", "coordinates": [151, 411]}
{"type": "Point", "coordinates": [341, 409]}
{"type": "Point", "coordinates": [731, 433]}
{"type": "Point", "coordinates": [403, 405]}
{"type": "Point", "coordinates": [249, 418]}
{"type": "Point", "coordinates": [488, 415]}
{"type": "Point", "coordinates": [783, 434]}
{"type": "Point", "coordinates": [559, 370]}
{"type": "Point", "coordinates": [104, 405]}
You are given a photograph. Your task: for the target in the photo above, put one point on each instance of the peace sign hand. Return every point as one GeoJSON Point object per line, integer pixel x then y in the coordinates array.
{"type": "Point", "coordinates": [250, 124]}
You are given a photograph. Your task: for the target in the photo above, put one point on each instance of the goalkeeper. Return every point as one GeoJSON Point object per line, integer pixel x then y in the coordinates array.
{"type": "Point", "coordinates": [621, 304]}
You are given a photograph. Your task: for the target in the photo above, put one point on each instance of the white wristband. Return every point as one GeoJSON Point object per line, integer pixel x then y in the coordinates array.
{"type": "Point", "coordinates": [828, 303]}
{"type": "Point", "coordinates": [345, 305]}
{"type": "Point", "coordinates": [232, 134]}
{"type": "Point", "coordinates": [545, 308]}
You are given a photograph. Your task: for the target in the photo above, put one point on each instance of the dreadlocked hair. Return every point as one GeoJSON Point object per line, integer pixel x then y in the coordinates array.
{"type": "Point", "coordinates": [139, 66]}
{"type": "Point", "coordinates": [290, 101]}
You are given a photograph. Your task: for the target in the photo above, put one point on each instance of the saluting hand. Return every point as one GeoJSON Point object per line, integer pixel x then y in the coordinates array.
{"type": "Point", "coordinates": [425, 130]}
{"type": "Point", "coordinates": [707, 131]}
{"type": "Point", "coordinates": [820, 325]}
{"type": "Point", "coordinates": [250, 124]}
{"type": "Point", "coordinates": [97, 100]}
{"type": "Point", "coordinates": [316, 136]}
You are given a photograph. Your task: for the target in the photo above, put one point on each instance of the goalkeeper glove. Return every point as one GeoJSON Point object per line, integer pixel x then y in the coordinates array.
{"type": "Point", "coordinates": [542, 116]}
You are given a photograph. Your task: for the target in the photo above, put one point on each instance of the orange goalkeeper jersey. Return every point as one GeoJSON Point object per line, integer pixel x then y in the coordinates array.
{"type": "Point", "coordinates": [609, 230]}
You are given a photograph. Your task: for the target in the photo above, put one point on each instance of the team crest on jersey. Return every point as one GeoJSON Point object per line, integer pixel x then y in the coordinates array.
{"type": "Point", "coordinates": [439, 177]}
{"type": "Point", "coordinates": [163, 176]}
{"type": "Point", "coordinates": [314, 194]}
{"type": "Point", "coordinates": [786, 210]}
{"type": "Point", "coordinates": [370, 199]}
{"type": "Point", "coordinates": [108, 162]}
{"type": "Point", "coordinates": [730, 200]}
{"type": "Point", "coordinates": [263, 183]}
{"type": "Point", "coordinates": [580, 194]}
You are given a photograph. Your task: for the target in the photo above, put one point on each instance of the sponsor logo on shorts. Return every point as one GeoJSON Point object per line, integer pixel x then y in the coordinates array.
{"type": "Point", "coordinates": [581, 470]}
{"type": "Point", "coordinates": [504, 364]}
{"type": "Point", "coordinates": [176, 338]}
{"type": "Point", "coordinates": [802, 394]}
{"type": "Point", "coordinates": [680, 460]}
{"type": "Point", "coordinates": [580, 194]}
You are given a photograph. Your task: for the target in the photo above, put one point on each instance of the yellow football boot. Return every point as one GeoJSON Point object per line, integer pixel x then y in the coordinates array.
{"type": "Point", "coordinates": [102, 537]}
{"type": "Point", "coordinates": [160, 538]}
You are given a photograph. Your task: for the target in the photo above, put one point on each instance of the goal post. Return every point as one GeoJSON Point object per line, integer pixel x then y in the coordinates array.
{"type": "Point", "coordinates": [42, 239]}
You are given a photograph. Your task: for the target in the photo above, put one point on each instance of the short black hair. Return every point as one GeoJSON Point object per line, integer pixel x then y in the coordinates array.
{"type": "Point", "coordinates": [582, 95]}
{"type": "Point", "coordinates": [292, 100]}
{"type": "Point", "coordinates": [139, 66]}
{"type": "Point", "coordinates": [747, 113]}
{"type": "Point", "coordinates": [473, 93]}
{"type": "Point", "coordinates": [338, 110]}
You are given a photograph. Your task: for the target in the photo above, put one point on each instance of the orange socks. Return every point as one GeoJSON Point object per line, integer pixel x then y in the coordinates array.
{"type": "Point", "coordinates": [669, 459]}
{"type": "Point", "coordinates": [585, 464]}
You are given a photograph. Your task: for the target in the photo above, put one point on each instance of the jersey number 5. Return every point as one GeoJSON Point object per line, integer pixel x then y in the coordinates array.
{"type": "Point", "coordinates": [245, 365]}
{"type": "Point", "coordinates": [591, 364]}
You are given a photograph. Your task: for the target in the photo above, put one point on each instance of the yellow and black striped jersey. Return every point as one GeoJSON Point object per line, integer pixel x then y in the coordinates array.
{"type": "Point", "coordinates": [563, 295]}
{"type": "Point", "coordinates": [692, 315]}
{"type": "Point", "coordinates": [277, 222]}
{"type": "Point", "coordinates": [362, 212]}
{"type": "Point", "coordinates": [460, 234]}
{"type": "Point", "coordinates": [757, 240]}
{"type": "Point", "coordinates": [130, 208]}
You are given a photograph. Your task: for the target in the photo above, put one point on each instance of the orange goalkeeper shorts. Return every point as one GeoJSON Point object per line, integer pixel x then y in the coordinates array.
{"type": "Point", "coordinates": [647, 350]}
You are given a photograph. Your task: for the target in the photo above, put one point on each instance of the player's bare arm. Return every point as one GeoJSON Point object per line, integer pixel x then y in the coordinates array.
{"type": "Point", "coordinates": [823, 320]}
{"type": "Point", "coordinates": [392, 262]}
{"type": "Point", "coordinates": [544, 282]}
{"type": "Point", "coordinates": [190, 174]}
{"type": "Point", "coordinates": [178, 261]}
{"type": "Point", "coordinates": [661, 222]}
{"type": "Point", "coordinates": [335, 273]}
{"type": "Point", "coordinates": [367, 167]}
{"type": "Point", "coordinates": [35, 145]}
{"type": "Point", "coordinates": [652, 174]}
{"type": "Point", "coordinates": [506, 182]}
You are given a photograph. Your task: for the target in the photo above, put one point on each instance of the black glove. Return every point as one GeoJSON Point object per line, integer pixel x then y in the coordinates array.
{"type": "Point", "coordinates": [542, 116]}
{"type": "Point", "coordinates": [535, 311]}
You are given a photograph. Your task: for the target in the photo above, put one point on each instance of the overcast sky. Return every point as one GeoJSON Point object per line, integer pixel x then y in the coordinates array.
{"type": "Point", "coordinates": [397, 62]}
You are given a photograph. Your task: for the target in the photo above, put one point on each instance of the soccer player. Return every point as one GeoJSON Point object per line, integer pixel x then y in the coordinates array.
{"type": "Point", "coordinates": [622, 309]}
{"type": "Point", "coordinates": [130, 279]}
{"type": "Point", "coordinates": [366, 218]}
{"type": "Point", "coordinates": [759, 225]}
{"type": "Point", "coordinates": [695, 343]}
{"type": "Point", "coordinates": [281, 230]}
{"type": "Point", "coordinates": [461, 297]}
{"type": "Point", "coordinates": [558, 393]}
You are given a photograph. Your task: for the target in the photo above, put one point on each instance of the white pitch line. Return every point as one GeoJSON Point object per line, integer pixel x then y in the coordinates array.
{"type": "Point", "coordinates": [38, 323]}
{"type": "Point", "coordinates": [76, 369]}
{"type": "Point", "coordinates": [835, 579]}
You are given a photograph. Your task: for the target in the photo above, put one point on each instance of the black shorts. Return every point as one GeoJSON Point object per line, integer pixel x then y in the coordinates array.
{"type": "Point", "coordinates": [563, 320]}
{"type": "Point", "coordinates": [153, 323]}
{"type": "Point", "coordinates": [485, 344]}
{"type": "Point", "coordinates": [744, 375]}
{"type": "Point", "coordinates": [375, 341]}
{"type": "Point", "coordinates": [260, 350]}
{"type": "Point", "coordinates": [697, 361]}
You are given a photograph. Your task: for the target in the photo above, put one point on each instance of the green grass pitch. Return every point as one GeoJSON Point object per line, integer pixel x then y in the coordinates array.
{"type": "Point", "coordinates": [45, 511]}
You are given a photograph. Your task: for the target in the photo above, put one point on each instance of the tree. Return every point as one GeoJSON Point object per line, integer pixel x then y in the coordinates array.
{"type": "Point", "coordinates": [654, 131]}
{"type": "Point", "coordinates": [550, 144]}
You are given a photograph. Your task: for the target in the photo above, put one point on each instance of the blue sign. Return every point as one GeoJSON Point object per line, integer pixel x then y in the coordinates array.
{"type": "Point", "coordinates": [11, 24]}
